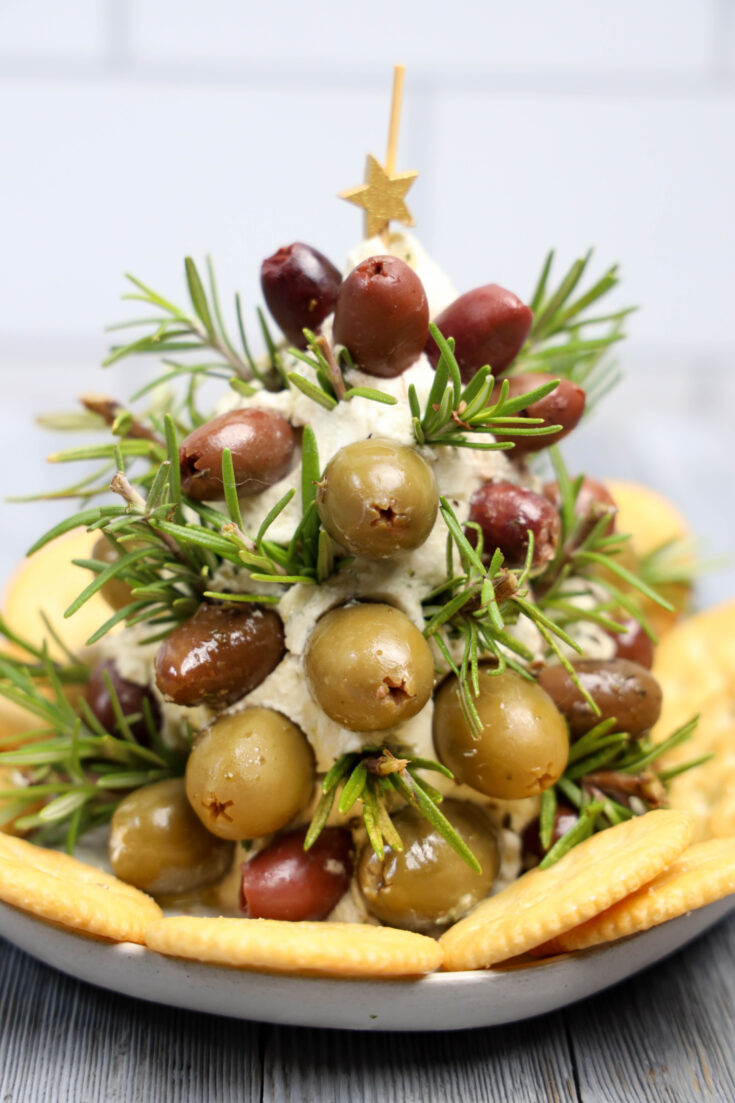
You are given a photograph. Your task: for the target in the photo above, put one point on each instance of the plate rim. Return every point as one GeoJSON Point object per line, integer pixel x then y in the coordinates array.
{"type": "Point", "coordinates": [436, 1001]}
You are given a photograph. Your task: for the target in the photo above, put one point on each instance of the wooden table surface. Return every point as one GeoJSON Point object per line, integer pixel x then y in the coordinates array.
{"type": "Point", "coordinates": [666, 1034]}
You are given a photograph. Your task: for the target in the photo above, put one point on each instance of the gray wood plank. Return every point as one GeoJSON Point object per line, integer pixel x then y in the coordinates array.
{"type": "Point", "coordinates": [524, 1063]}
{"type": "Point", "coordinates": [64, 1042]}
{"type": "Point", "coordinates": [666, 1035]}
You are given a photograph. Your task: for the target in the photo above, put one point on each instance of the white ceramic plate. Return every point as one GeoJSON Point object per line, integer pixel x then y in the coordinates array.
{"type": "Point", "coordinates": [442, 1001]}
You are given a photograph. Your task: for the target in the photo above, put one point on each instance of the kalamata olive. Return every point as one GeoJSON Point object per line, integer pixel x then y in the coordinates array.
{"type": "Point", "coordinates": [219, 655]}
{"type": "Point", "coordinates": [369, 667]}
{"type": "Point", "coordinates": [157, 843]}
{"type": "Point", "coordinates": [378, 497]}
{"type": "Point", "coordinates": [618, 687]}
{"type": "Point", "coordinates": [489, 326]}
{"type": "Point", "coordinates": [634, 643]}
{"type": "Point", "coordinates": [564, 817]}
{"type": "Point", "coordinates": [505, 513]}
{"type": "Point", "coordinates": [115, 591]}
{"type": "Point", "coordinates": [563, 406]}
{"type": "Point", "coordinates": [382, 316]}
{"type": "Point", "coordinates": [249, 774]}
{"type": "Point", "coordinates": [132, 698]}
{"type": "Point", "coordinates": [522, 746]}
{"type": "Point", "coordinates": [261, 443]}
{"type": "Point", "coordinates": [300, 287]}
{"type": "Point", "coordinates": [428, 884]}
{"type": "Point", "coordinates": [284, 881]}
{"type": "Point", "coordinates": [592, 502]}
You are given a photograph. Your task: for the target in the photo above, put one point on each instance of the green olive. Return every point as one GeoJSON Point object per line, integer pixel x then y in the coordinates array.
{"type": "Point", "coordinates": [249, 774]}
{"type": "Point", "coordinates": [522, 747]}
{"type": "Point", "coordinates": [377, 498]}
{"type": "Point", "coordinates": [429, 885]}
{"type": "Point", "coordinates": [369, 667]}
{"type": "Point", "coordinates": [158, 844]}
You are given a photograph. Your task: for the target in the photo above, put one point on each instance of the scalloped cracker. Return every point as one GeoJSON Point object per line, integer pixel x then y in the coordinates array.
{"type": "Point", "coordinates": [694, 663]}
{"type": "Point", "coordinates": [702, 874]}
{"type": "Point", "coordinates": [708, 791]}
{"type": "Point", "coordinates": [545, 903]}
{"type": "Point", "coordinates": [340, 949]}
{"type": "Point", "coordinates": [63, 890]}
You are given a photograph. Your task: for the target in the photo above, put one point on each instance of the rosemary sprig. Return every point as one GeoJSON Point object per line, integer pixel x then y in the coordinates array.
{"type": "Point", "coordinates": [453, 410]}
{"type": "Point", "coordinates": [586, 553]}
{"type": "Point", "coordinates": [610, 777]}
{"type": "Point", "coordinates": [172, 329]}
{"type": "Point", "coordinates": [70, 765]}
{"type": "Point", "coordinates": [330, 387]}
{"type": "Point", "coordinates": [568, 337]}
{"type": "Point", "coordinates": [374, 776]}
{"type": "Point", "coordinates": [477, 604]}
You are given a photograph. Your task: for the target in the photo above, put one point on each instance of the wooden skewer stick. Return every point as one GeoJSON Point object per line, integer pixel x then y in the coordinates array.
{"type": "Point", "coordinates": [395, 119]}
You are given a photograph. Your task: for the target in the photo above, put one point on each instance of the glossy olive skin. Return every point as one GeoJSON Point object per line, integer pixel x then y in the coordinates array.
{"type": "Point", "coordinates": [300, 287]}
{"type": "Point", "coordinates": [249, 774]}
{"type": "Point", "coordinates": [369, 667]}
{"type": "Point", "coordinates": [523, 746]}
{"type": "Point", "coordinates": [592, 502]}
{"type": "Point", "coordinates": [634, 644]}
{"type": "Point", "coordinates": [131, 697]}
{"type": "Point", "coordinates": [377, 498]}
{"type": "Point", "coordinates": [505, 513]}
{"type": "Point", "coordinates": [219, 655]}
{"type": "Point", "coordinates": [429, 885]}
{"type": "Point", "coordinates": [157, 843]}
{"type": "Point", "coordinates": [382, 316]}
{"type": "Point", "coordinates": [619, 687]}
{"type": "Point", "coordinates": [564, 406]}
{"type": "Point", "coordinates": [261, 443]}
{"type": "Point", "coordinates": [116, 593]}
{"type": "Point", "coordinates": [284, 881]}
{"type": "Point", "coordinates": [489, 326]}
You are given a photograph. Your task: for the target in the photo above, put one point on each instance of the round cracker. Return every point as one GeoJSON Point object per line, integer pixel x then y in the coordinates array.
{"type": "Point", "coordinates": [702, 874]}
{"type": "Point", "coordinates": [48, 581]}
{"type": "Point", "coordinates": [340, 949]}
{"type": "Point", "coordinates": [693, 663]}
{"type": "Point", "coordinates": [708, 790]}
{"type": "Point", "coordinates": [63, 890]}
{"type": "Point", "coordinates": [544, 903]}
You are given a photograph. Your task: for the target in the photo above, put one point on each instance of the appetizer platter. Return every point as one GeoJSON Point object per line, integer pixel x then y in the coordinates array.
{"type": "Point", "coordinates": [340, 688]}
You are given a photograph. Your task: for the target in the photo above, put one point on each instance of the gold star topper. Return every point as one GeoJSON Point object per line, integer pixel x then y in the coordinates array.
{"type": "Point", "coordinates": [383, 195]}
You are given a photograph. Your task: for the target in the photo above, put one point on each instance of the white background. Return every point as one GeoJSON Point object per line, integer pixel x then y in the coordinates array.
{"type": "Point", "coordinates": [135, 131]}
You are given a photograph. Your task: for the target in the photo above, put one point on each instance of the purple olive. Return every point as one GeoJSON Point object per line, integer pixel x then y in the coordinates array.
{"type": "Point", "coordinates": [618, 687]}
{"type": "Point", "coordinates": [382, 316]}
{"type": "Point", "coordinates": [132, 698]}
{"type": "Point", "coordinates": [219, 655]}
{"type": "Point", "coordinates": [489, 326]}
{"type": "Point", "coordinates": [284, 881]}
{"type": "Point", "coordinates": [261, 443]}
{"type": "Point", "coordinates": [505, 513]}
{"type": "Point", "coordinates": [593, 501]}
{"type": "Point", "coordinates": [563, 406]}
{"type": "Point", "coordinates": [634, 644]}
{"type": "Point", "coordinates": [300, 287]}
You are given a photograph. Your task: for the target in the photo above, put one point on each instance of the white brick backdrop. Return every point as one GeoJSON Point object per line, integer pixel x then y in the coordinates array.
{"type": "Point", "coordinates": [134, 131]}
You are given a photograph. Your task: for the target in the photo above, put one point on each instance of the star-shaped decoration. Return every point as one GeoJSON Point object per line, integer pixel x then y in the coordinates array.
{"type": "Point", "coordinates": [382, 197]}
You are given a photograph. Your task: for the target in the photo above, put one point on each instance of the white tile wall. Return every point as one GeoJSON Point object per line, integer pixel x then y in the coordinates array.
{"type": "Point", "coordinates": [41, 28]}
{"type": "Point", "coordinates": [431, 36]}
{"type": "Point", "coordinates": [134, 131]}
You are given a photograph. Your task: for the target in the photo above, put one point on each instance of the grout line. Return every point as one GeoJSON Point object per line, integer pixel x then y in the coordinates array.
{"type": "Point", "coordinates": [118, 35]}
{"type": "Point", "coordinates": [723, 45]}
{"type": "Point", "coordinates": [118, 64]}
